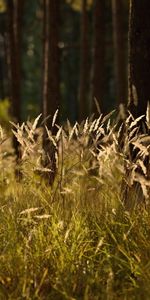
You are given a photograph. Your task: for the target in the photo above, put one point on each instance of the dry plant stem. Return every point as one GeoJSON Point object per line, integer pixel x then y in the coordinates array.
{"type": "Point", "coordinates": [61, 170]}
{"type": "Point", "coordinates": [49, 158]}
{"type": "Point", "coordinates": [18, 173]}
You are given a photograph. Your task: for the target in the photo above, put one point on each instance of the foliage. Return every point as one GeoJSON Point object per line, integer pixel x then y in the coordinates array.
{"type": "Point", "coordinates": [4, 112]}
{"type": "Point", "coordinates": [2, 6]}
{"type": "Point", "coordinates": [77, 4]}
{"type": "Point", "coordinates": [76, 239]}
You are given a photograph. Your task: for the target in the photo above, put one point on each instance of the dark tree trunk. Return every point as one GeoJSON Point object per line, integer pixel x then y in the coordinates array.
{"type": "Point", "coordinates": [51, 59]}
{"type": "Point", "coordinates": [99, 57]}
{"type": "Point", "coordinates": [15, 12]}
{"type": "Point", "coordinates": [139, 56]}
{"type": "Point", "coordinates": [51, 95]}
{"type": "Point", "coordinates": [2, 55]}
{"type": "Point", "coordinates": [139, 86]}
{"type": "Point", "coordinates": [83, 103]}
{"type": "Point", "coordinates": [119, 52]}
{"type": "Point", "coordinates": [2, 89]}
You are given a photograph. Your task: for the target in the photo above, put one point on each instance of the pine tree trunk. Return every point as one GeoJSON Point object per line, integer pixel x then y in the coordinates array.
{"type": "Point", "coordinates": [139, 56]}
{"type": "Point", "coordinates": [139, 85]}
{"type": "Point", "coordinates": [51, 95]}
{"type": "Point", "coordinates": [51, 59]}
{"type": "Point", "coordinates": [15, 10]}
{"type": "Point", "coordinates": [83, 103]}
{"type": "Point", "coordinates": [14, 13]}
{"type": "Point", "coordinates": [119, 52]}
{"type": "Point", "coordinates": [2, 55]}
{"type": "Point", "coordinates": [98, 81]}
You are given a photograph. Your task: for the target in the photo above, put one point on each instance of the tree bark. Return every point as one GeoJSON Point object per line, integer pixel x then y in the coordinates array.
{"type": "Point", "coordinates": [14, 13]}
{"type": "Point", "coordinates": [51, 95]}
{"type": "Point", "coordinates": [119, 52]}
{"type": "Point", "coordinates": [139, 57]}
{"type": "Point", "coordinates": [83, 103]}
{"type": "Point", "coordinates": [98, 81]}
{"type": "Point", "coordinates": [139, 86]}
{"type": "Point", "coordinates": [15, 10]}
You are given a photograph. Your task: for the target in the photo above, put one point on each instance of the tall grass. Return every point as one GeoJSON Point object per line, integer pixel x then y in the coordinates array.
{"type": "Point", "coordinates": [87, 236]}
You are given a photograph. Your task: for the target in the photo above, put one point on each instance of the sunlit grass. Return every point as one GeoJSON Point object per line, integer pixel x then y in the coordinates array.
{"type": "Point", "coordinates": [75, 239]}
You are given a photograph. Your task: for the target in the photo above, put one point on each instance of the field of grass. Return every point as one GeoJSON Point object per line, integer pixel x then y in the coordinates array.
{"type": "Point", "coordinates": [88, 235]}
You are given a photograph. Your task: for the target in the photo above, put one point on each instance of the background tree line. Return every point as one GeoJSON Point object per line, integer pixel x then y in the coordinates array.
{"type": "Point", "coordinates": [80, 42]}
{"type": "Point", "coordinates": [64, 54]}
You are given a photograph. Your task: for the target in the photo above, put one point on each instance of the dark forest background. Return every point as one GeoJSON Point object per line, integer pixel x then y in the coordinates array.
{"type": "Point", "coordinates": [90, 60]}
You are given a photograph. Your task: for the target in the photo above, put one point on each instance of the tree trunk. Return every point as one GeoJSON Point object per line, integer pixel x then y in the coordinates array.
{"type": "Point", "coordinates": [83, 104]}
{"type": "Point", "coordinates": [14, 13]}
{"type": "Point", "coordinates": [51, 94]}
{"type": "Point", "coordinates": [139, 56]}
{"type": "Point", "coordinates": [51, 59]}
{"type": "Point", "coordinates": [99, 57]}
{"type": "Point", "coordinates": [139, 86]}
{"type": "Point", "coordinates": [119, 51]}
{"type": "Point", "coordinates": [15, 10]}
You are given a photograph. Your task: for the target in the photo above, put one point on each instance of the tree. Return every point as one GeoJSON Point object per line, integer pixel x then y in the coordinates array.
{"type": "Point", "coordinates": [119, 51]}
{"type": "Point", "coordinates": [98, 81]}
{"type": "Point", "coordinates": [83, 105]}
{"type": "Point", "coordinates": [14, 13]}
{"type": "Point", "coordinates": [3, 58]}
{"type": "Point", "coordinates": [14, 10]}
{"type": "Point", "coordinates": [51, 94]}
{"type": "Point", "coordinates": [139, 56]}
{"type": "Point", "coordinates": [139, 86]}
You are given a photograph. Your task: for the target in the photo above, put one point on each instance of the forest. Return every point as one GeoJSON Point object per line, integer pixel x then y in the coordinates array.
{"type": "Point", "coordinates": [75, 149]}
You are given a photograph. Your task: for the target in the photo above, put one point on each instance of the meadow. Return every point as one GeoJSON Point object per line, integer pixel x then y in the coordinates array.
{"type": "Point", "coordinates": [88, 235]}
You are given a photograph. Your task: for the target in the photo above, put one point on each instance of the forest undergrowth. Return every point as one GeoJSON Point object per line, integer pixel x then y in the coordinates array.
{"type": "Point", "coordinates": [88, 235]}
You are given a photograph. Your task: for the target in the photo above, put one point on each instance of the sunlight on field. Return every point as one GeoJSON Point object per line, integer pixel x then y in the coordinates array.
{"type": "Point", "coordinates": [76, 239]}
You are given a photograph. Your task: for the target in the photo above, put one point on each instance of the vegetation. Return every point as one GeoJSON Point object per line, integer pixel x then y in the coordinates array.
{"type": "Point", "coordinates": [80, 238]}
{"type": "Point", "coordinates": [74, 199]}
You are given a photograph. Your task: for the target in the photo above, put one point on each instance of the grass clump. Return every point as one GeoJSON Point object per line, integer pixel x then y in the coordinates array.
{"type": "Point", "coordinates": [88, 235]}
